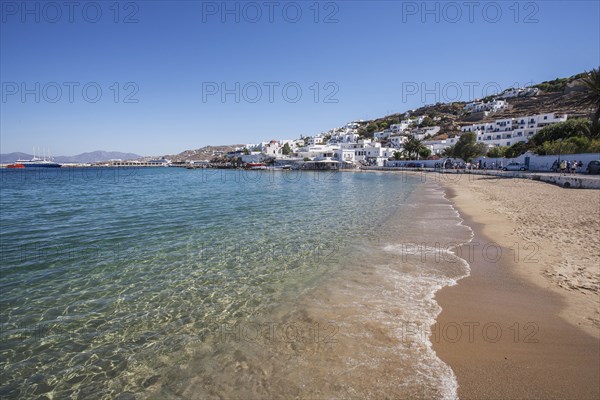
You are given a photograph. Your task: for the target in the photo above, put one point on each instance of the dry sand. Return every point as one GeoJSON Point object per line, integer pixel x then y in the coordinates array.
{"type": "Point", "coordinates": [528, 317]}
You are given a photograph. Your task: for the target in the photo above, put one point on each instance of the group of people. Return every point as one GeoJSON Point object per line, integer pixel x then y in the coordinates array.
{"type": "Point", "coordinates": [449, 164]}
{"type": "Point", "coordinates": [566, 166]}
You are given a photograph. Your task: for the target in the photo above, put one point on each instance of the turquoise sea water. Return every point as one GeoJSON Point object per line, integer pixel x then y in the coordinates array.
{"type": "Point", "coordinates": [170, 283]}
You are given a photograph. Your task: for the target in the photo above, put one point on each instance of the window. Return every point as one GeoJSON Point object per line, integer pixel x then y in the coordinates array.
{"type": "Point", "coordinates": [545, 117]}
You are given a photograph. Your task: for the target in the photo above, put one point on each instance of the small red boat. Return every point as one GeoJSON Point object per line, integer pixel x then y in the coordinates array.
{"type": "Point", "coordinates": [15, 165]}
{"type": "Point", "coordinates": [256, 166]}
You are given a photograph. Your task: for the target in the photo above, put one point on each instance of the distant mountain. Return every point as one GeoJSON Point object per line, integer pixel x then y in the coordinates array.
{"type": "Point", "coordinates": [12, 157]}
{"type": "Point", "coordinates": [94, 156]}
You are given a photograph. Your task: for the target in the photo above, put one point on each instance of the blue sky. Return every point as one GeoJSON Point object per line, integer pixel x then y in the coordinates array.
{"type": "Point", "coordinates": [154, 77]}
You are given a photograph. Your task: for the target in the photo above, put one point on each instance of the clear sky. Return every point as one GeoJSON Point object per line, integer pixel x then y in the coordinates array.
{"type": "Point", "coordinates": [158, 77]}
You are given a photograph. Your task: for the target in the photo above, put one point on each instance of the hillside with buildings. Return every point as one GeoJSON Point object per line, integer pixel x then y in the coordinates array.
{"type": "Point", "coordinates": [561, 97]}
{"type": "Point", "coordinates": [508, 118]}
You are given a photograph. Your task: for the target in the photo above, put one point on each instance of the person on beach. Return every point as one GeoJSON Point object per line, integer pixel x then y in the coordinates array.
{"type": "Point", "coordinates": [555, 166]}
{"type": "Point", "coordinates": [573, 167]}
{"type": "Point", "coordinates": [563, 166]}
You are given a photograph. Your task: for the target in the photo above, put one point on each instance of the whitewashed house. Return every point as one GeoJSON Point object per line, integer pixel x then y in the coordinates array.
{"type": "Point", "coordinates": [345, 156]}
{"type": "Point", "coordinates": [508, 131]}
{"type": "Point", "coordinates": [519, 92]}
{"type": "Point", "coordinates": [348, 136]}
{"type": "Point", "coordinates": [491, 106]}
{"type": "Point", "coordinates": [418, 120]}
{"type": "Point", "coordinates": [397, 141]}
{"type": "Point", "coordinates": [272, 149]}
{"type": "Point", "coordinates": [314, 140]}
{"type": "Point", "coordinates": [383, 135]}
{"type": "Point", "coordinates": [438, 146]}
{"type": "Point", "coordinates": [401, 127]}
{"type": "Point", "coordinates": [318, 151]}
{"type": "Point", "coordinates": [422, 133]}
{"type": "Point", "coordinates": [369, 152]}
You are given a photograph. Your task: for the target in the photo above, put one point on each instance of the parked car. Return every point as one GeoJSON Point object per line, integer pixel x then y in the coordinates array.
{"type": "Point", "coordinates": [593, 167]}
{"type": "Point", "coordinates": [515, 167]}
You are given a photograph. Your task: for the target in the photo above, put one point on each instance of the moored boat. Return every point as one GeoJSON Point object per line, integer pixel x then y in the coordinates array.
{"type": "Point", "coordinates": [34, 163]}
{"type": "Point", "coordinates": [256, 166]}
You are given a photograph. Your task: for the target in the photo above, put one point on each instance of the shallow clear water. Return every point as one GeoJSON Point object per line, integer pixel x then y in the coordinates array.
{"type": "Point", "coordinates": [170, 283]}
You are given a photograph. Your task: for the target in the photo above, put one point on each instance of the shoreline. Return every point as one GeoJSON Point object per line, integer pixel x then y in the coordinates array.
{"type": "Point", "coordinates": [506, 330]}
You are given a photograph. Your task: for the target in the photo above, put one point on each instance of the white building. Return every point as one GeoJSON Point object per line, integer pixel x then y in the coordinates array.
{"type": "Point", "coordinates": [369, 152]}
{"type": "Point", "coordinates": [418, 120]}
{"type": "Point", "coordinates": [422, 133]}
{"type": "Point", "coordinates": [519, 92]}
{"type": "Point", "coordinates": [438, 146]}
{"type": "Point", "coordinates": [272, 149]}
{"type": "Point", "coordinates": [383, 135]}
{"type": "Point", "coordinates": [349, 136]}
{"type": "Point", "coordinates": [314, 140]}
{"type": "Point", "coordinates": [345, 155]}
{"type": "Point", "coordinates": [405, 124]}
{"type": "Point", "coordinates": [401, 127]}
{"type": "Point", "coordinates": [397, 141]}
{"type": "Point", "coordinates": [492, 106]}
{"type": "Point", "coordinates": [317, 151]}
{"type": "Point", "coordinates": [508, 131]}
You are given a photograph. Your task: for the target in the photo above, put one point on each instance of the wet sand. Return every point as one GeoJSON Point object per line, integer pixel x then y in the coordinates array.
{"type": "Point", "coordinates": [511, 329]}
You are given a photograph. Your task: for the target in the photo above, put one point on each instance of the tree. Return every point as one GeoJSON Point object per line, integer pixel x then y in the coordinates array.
{"type": "Point", "coordinates": [496, 152]}
{"type": "Point", "coordinates": [382, 125]}
{"type": "Point", "coordinates": [572, 145]}
{"type": "Point", "coordinates": [425, 152]}
{"type": "Point", "coordinates": [562, 130]}
{"type": "Point", "coordinates": [427, 121]}
{"type": "Point", "coordinates": [517, 149]}
{"type": "Point", "coordinates": [371, 128]}
{"type": "Point", "coordinates": [466, 148]}
{"type": "Point", "coordinates": [413, 147]}
{"type": "Point", "coordinates": [591, 97]}
{"type": "Point", "coordinates": [286, 150]}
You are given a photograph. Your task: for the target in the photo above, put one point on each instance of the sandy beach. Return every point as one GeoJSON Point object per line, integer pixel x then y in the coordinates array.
{"type": "Point", "coordinates": [525, 323]}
